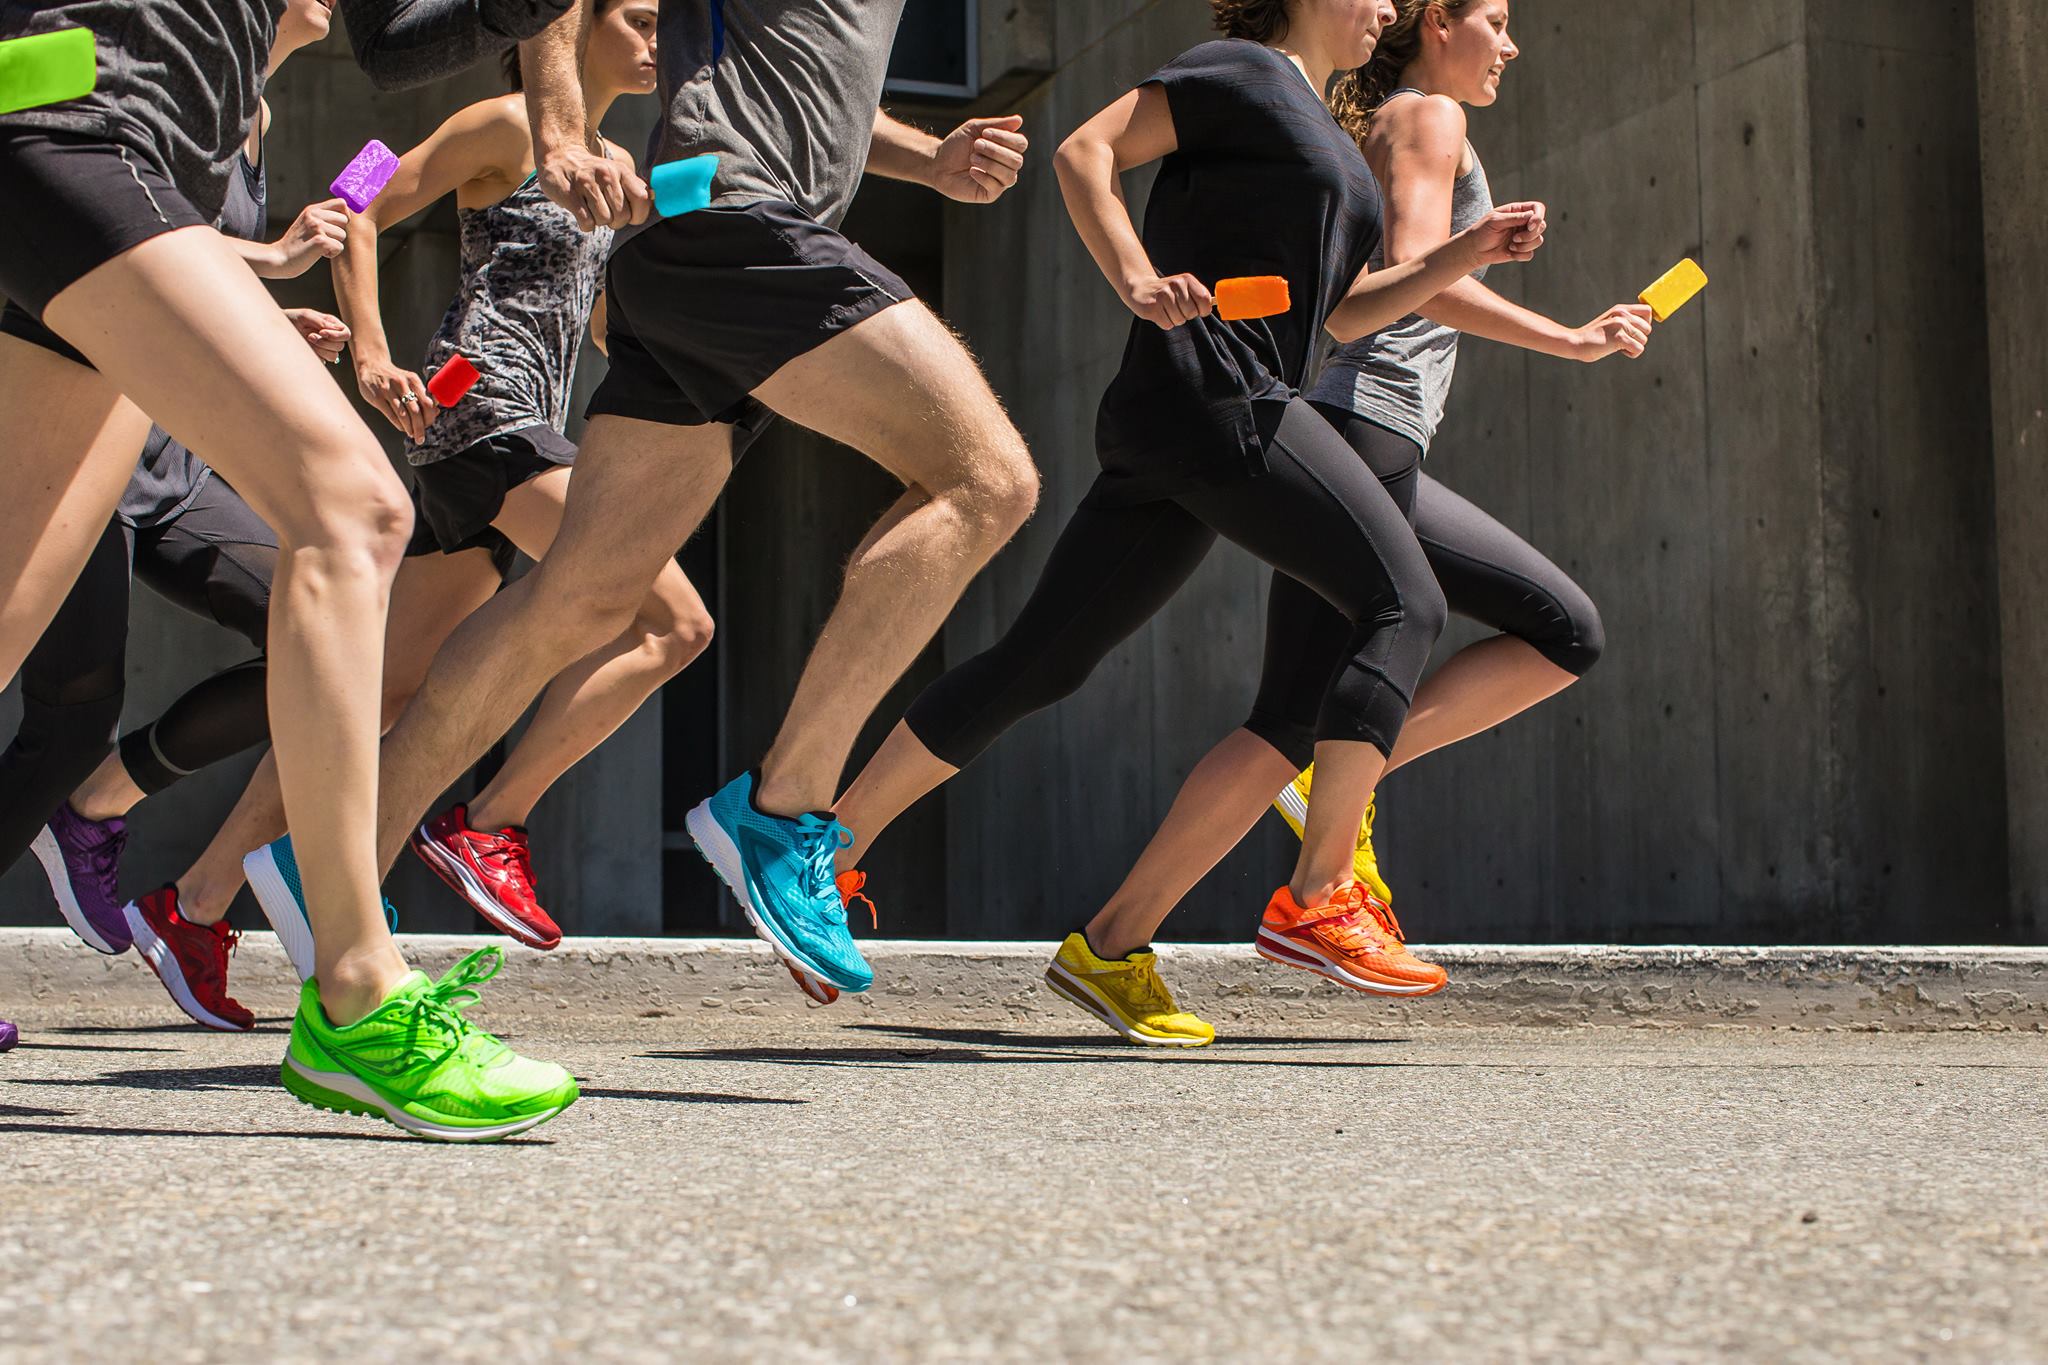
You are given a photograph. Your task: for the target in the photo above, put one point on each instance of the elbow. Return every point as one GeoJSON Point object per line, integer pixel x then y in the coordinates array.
{"type": "Point", "coordinates": [1075, 158]}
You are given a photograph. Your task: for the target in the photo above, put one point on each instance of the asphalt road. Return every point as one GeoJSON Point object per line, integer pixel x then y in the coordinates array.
{"type": "Point", "coordinates": [729, 1189]}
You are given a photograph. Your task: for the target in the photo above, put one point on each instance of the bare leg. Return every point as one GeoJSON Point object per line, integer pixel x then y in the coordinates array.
{"type": "Point", "coordinates": [600, 692]}
{"type": "Point", "coordinates": [70, 448]}
{"type": "Point", "coordinates": [429, 598]}
{"type": "Point", "coordinates": [640, 489]}
{"type": "Point", "coordinates": [1477, 688]}
{"type": "Point", "coordinates": [1216, 807]}
{"type": "Point", "coordinates": [895, 779]}
{"type": "Point", "coordinates": [902, 390]}
{"type": "Point", "coordinates": [182, 327]}
{"type": "Point", "coordinates": [1346, 773]}
{"type": "Point", "coordinates": [208, 887]}
{"type": "Point", "coordinates": [109, 793]}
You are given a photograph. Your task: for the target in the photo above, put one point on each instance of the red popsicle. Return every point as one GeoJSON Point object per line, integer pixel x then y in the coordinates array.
{"type": "Point", "coordinates": [452, 381]}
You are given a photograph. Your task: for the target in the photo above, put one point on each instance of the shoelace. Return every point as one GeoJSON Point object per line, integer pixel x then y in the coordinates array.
{"type": "Point", "coordinates": [103, 859]}
{"type": "Point", "coordinates": [1345, 928]}
{"type": "Point", "coordinates": [852, 893]}
{"type": "Point", "coordinates": [1384, 913]}
{"type": "Point", "coordinates": [818, 842]}
{"type": "Point", "coordinates": [1148, 992]}
{"type": "Point", "coordinates": [518, 852]}
{"type": "Point", "coordinates": [213, 968]}
{"type": "Point", "coordinates": [436, 1012]}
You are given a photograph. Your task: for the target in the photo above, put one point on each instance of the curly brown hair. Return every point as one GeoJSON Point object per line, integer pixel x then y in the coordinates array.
{"type": "Point", "coordinates": [1262, 21]}
{"type": "Point", "coordinates": [1357, 95]}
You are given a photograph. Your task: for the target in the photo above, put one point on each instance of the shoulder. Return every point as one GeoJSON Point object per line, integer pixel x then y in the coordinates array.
{"type": "Point", "coordinates": [1430, 123]}
{"type": "Point", "coordinates": [1215, 58]}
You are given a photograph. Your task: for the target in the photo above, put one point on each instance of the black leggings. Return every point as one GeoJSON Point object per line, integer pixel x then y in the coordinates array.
{"type": "Point", "coordinates": [1319, 517]}
{"type": "Point", "coordinates": [1487, 572]}
{"type": "Point", "coordinates": [215, 559]}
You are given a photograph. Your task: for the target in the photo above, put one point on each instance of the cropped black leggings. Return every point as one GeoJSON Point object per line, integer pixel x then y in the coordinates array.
{"type": "Point", "coordinates": [1487, 572]}
{"type": "Point", "coordinates": [1319, 517]}
{"type": "Point", "coordinates": [215, 559]}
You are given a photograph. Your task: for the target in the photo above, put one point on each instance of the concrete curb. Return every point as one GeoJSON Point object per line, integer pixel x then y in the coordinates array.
{"type": "Point", "coordinates": [49, 974]}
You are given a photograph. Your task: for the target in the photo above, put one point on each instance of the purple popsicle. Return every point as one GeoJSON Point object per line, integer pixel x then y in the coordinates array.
{"type": "Point", "coordinates": [366, 176]}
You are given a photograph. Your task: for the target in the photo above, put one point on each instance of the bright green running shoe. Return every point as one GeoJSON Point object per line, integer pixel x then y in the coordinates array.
{"type": "Point", "coordinates": [416, 1062]}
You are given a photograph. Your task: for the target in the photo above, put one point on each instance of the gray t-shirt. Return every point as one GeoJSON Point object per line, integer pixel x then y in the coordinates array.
{"type": "Point", "coordinates": [178, 81]}
{"type": "Point", "coordinates": [784, 91]}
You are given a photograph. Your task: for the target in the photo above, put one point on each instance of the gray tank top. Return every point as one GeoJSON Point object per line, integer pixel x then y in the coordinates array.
{"type": "Point", "coordinates": [1400, 377]}
{"type": "Point", "coordinates": [169, 476]}
{"type": "Point", "coordinates": [529, 279]}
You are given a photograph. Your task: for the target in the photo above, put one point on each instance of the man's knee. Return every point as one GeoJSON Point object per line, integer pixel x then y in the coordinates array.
{"type": "Point", "coordinates": [999, 490]}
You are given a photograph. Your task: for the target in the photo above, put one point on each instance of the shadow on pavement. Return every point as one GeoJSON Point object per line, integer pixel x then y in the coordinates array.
{"type": "Point", "coordinates": [389, 1135]}
{"type": "Point", "coordinates": [685, 1097]}
{"type": "Point", "coordinates": [1008, 1038]}
{"type": "Point", "coordinates": [171, 1078]}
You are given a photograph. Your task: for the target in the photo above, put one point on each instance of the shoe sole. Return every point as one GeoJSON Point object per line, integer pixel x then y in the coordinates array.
{"type": "Point", "coordinates": [1293, 808]}
{"type": "Point", "coordinates": [811, 986]}
{"type": "Point", "coordinates": [1063, 984]}
{"type": "Point", "coordinates": [1275, 948]}
{"type": "Point", "coordinates": [718, 849]}
{"type": "Point", "coordinates": [282, 909]}
{"type": "Point", "coordinates": [52, 858]}
{"type": "Point", "coordinates": [164, 963]}
{"type": "Point", "coordinates": [340, 1093]}
{"type": "Point", "coordinates": [464, 883]}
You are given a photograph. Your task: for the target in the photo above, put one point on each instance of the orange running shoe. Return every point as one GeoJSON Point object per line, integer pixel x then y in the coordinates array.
{"type": "Point", "coordinates": [849, 884]}
{"type": "Point", "coordinates": [1354, 941]}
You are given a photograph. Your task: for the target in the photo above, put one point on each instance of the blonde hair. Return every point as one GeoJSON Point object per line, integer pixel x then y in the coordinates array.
{"type": "Point", "coordinates": [1358, 95]}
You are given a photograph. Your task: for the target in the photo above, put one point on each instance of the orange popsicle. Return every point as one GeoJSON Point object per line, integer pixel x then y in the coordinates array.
{"type": "Point", "coordinates": [1251, 296]}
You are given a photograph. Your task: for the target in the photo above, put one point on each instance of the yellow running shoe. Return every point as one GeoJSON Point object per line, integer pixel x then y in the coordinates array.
{"type": "Point", "coordinates": [1126, 994]}
{"type": "Point", "coordinates": [1292, 803]}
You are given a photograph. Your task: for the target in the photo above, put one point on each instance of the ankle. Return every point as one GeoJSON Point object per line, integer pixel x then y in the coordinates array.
{"type": "Point", "coordinates": [788, 796]}
{"type": "Point", "coordinates": [108, 794]}
{"type": "Point", "coordinates": [488, 813]}
{"type": "Point", "coordinates": [203, 902]}
{"type": "Point", "coordinates": [1110, 941]}
{"type": "Point", "coordinates": [358, 982]}
{"type": "Point", "coordinates": [1312, 892]}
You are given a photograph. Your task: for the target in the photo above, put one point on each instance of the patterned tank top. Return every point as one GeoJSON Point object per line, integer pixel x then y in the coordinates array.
{"type": "Point", "coordinates": [1400, 377]}
{"type": "Point", "coordinates": [529, 279]}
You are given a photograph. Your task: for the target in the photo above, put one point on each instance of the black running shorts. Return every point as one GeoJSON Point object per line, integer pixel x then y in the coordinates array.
{"type": "Point", "coordinates": [702, 309]}
{"type": "Point", "coordinates": [73, 203]}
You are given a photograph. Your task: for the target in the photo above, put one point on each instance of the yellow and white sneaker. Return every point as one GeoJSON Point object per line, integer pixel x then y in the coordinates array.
{"type": "Point", "coordinates": [1292, 803]}
{"type": "Point", "coordinates": [1126, 994]}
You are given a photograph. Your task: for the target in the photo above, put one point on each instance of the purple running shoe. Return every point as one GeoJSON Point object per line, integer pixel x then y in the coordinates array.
{"type": "Point", "coordinates": [9, 1036]}
{"type": "Point", "coordinates": [82, 859]}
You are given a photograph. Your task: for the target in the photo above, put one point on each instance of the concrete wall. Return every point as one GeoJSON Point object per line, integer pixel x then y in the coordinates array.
{"type": "Point", "coordinates": [1786, 511]}
{"type": "Point", "coordinates": [2012, 54]}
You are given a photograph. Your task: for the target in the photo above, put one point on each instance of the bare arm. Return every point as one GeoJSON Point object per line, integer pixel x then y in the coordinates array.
{"type": "Point", "coordinates": [1135, 131]}
{"type": "Point", "coordinates": [483, 142]}
{"type": "Point", "coordinates": [1416, 149]}
{"type": "Point", "coordinates": [571, 172]}
{"type": "Point", "coordinates": [974, 164]}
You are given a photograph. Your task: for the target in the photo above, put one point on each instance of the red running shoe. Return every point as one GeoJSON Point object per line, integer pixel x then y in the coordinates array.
{"type": "Point", "coordinates": [190, 959]}
{"type": "Point", "coordinates": [849, 884]}
{"type": "Point", "coordinates": [493, 872]}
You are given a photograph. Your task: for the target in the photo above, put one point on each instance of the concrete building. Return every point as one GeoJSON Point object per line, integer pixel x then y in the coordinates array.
{"type": "Point", "coordinates": [1808, 515]}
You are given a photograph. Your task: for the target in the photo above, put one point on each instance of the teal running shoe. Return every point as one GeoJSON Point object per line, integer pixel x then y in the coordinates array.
{"type": "Point", "coordinates": [416, 1062]}
{"type": "Point", "coordinates": [273, 875]}
{"type": "Point", "coordinates": [780, 871]}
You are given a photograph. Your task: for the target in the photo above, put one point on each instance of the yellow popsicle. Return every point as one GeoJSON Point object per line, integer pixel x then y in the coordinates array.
{"type": "Point", "coordinates": [1675, 290]}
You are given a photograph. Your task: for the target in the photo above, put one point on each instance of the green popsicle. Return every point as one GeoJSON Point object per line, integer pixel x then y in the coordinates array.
{"type": "Point", "coordinates": [46, 68]}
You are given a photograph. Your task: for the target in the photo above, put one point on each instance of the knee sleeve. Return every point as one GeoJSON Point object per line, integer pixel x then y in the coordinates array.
{"type": "Point", "coordinates": [215, 720]}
